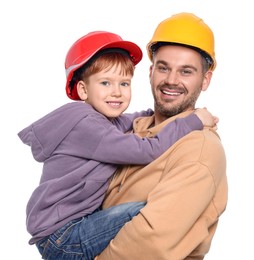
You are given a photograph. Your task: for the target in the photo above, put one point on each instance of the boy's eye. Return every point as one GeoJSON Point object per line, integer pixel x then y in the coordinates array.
{"type": "Point", "coordinates": [125, 84]}
{"type": "Point", "coordinates": [105, 83]}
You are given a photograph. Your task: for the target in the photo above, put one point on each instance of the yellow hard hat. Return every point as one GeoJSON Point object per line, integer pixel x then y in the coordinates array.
{"type": "Point", "coordinates": [186, 29]}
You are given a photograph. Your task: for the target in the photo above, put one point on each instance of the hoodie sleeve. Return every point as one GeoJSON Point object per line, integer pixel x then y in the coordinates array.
{"type": "Point", "coordinates": [97, 139]}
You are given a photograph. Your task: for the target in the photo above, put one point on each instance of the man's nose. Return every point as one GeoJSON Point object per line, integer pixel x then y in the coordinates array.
{"type": "Point", "coordinates": [172, 78]}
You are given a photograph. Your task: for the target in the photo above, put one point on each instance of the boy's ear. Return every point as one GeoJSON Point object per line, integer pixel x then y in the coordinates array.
{"type": "Point", "coordinates": [82, 90]}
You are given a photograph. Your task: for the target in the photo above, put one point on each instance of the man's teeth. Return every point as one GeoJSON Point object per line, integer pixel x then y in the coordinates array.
{"type": "Point", "coordinates": [171, 93]}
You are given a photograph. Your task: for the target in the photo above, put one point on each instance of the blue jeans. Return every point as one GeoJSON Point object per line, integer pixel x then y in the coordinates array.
{"type": "Point", "coordinates": [86, 237]}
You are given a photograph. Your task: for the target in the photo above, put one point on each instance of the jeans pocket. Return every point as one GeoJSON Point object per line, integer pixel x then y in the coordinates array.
{"type": "Point", "coordinates": [68, 233]}
{"type": "Point", "coordinates": [63, 243]}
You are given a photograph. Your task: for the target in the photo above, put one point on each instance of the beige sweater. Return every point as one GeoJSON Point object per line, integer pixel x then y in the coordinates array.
{"type": "Point", "coordinates": [186, 192]}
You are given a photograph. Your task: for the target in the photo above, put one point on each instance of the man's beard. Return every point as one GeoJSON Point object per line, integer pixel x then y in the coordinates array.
{"type": "Point", "coordinates": [169, 111]}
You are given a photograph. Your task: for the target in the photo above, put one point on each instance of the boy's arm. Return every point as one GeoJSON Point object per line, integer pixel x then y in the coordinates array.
{"type": "Point", "coordinates": [115, 147]}
{"type": "Point", "coordinates": [109, 145]}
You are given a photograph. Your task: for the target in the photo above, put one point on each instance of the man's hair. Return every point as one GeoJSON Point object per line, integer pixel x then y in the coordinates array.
{"type": "Point", "coordinates": [207, 61]}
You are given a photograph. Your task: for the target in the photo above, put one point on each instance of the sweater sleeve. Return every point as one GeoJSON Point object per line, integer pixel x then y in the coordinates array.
{"type": "Point", "coordinates": [109, 145]}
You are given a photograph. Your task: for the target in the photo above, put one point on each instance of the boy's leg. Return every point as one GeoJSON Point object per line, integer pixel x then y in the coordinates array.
{"type": "Point", "coordinates": [97, 229]}
{"type": "Point", "coordinates": [87, 236]}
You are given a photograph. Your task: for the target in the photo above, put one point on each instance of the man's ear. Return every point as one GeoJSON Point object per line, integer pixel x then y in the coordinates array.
{"type": "Point", "coordinates": [150, 72]}
{"type": "Point", "coordinates": [206, 80]}
{"type": "Point", "coordinates": [82, 90]}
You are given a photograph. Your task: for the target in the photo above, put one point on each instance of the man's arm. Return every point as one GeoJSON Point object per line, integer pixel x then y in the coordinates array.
{"type": "Point", "coordinates": [182, 210]}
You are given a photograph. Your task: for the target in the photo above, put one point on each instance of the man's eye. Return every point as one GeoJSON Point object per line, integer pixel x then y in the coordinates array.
{"type": "Point", "coordinates": [186, 72]}
{"type": "Point", "coordinates": [162, 68]}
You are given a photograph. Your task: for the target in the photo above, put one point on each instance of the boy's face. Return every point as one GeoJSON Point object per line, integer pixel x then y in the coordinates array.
{"type": "Point", "coordinates": [108, 91]}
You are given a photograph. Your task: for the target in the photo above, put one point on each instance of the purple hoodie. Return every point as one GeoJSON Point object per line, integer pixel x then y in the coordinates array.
{"type": "Point", "coordinates": [80, 150]}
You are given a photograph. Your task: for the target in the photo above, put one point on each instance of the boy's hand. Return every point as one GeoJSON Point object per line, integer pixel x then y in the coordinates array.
{"type": "Point", "coordinates": [207, 118]}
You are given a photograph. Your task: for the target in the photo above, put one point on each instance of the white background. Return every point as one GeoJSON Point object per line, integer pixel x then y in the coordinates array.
{"type": "Point", "coordinates": [35, 36]}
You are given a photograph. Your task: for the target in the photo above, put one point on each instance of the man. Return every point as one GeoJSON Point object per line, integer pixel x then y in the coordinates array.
{"type": "Point", "coordinates": [186, 187]}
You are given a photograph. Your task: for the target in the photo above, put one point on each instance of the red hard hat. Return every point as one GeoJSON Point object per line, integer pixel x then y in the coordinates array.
{"type": "Point", "coordinates": [84, 48]}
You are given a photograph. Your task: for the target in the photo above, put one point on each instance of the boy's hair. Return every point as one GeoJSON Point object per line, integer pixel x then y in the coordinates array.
{"type": "Point", "coordinates": [105, 61]}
